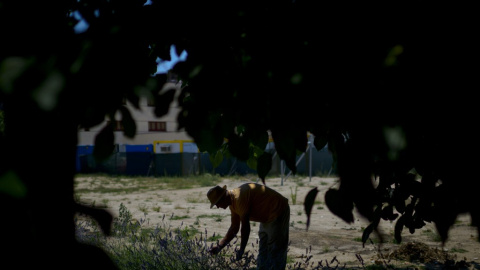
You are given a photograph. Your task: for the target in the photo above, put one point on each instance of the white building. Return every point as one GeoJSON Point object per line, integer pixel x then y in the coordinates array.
{"type": "Point", "coordinates": [150, 129]}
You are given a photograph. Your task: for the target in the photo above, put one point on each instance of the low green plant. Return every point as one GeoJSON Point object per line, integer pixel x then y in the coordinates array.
{"type": "Point", "coordinates": [124, 223]}
{"type": "Point", "coordinates": [135, 246]}
{"type": "Point", "coordinates": [293, 195]}
{"type": "Point", "coordinates": [458, 250]}
{"type": "Point", "coordinates": [105, 202]}
{"type": "Point", "coordinates": [178, 217]}
{"type": "Point", "coordinates": [215, 237]}
{"type": "Point", "coordinates": [143, 207]}
{"type": "Point", "coordinates": [434, 236]}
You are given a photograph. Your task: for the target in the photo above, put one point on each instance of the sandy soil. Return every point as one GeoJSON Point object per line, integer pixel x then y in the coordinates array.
{"type": "Point", "coordinates": [328, 236]}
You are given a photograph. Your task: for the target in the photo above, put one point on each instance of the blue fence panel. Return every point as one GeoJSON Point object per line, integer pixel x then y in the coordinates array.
{"type": "Point", "coordinates": [168, 164]}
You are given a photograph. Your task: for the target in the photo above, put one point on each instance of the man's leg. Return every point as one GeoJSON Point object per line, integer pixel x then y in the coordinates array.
{"type": "Point", "coordinates": [262, 249]}
{"type": "Point", "coordinates": [278, 241]}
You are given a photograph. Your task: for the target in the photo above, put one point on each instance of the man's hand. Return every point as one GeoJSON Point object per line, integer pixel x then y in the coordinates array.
{"type": "Point", "coordinates": [240, 254]}
{"type": "Point", "coordinates": [215, 250]}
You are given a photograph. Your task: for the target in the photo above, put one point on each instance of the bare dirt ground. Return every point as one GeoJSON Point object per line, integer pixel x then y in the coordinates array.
{"type": "Point", "coordinates": [328, 236]}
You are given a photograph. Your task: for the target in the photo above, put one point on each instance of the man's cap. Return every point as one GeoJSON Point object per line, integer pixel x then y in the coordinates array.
{"type": "Point", "coordinates": [215, 194]}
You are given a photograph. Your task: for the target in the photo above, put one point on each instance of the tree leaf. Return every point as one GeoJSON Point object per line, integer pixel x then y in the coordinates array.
{"type": "Point", "coordinates": [216, 159]}
{"type": "Point", "coordinates": [252, 163]}
{"type": "Point", "coordinates": [163, 101]}
{"type": "Point", "coordinates": [11, 184]}
{"type": "Point", "coordinates": [339, 205]}
{"type": "Point", "coordinates": [399, 228]}
{"type": "Point", "coordinates": [366, 233]}
{"type": "Point", "coordinates": [308, 203]}
{"type": "Point", "coordinates": [104, 143]}
{"type": "Point", "coordinates": [238, 147]}
{"type": "Point", "coordinates": [129, 125]}
{"type": "Point", "coordinates": [285, 146]}
{"type": "Point", "coordinates": [264, 164]}
{"type": "Point", "coordinates": [320, 142]}
{"type": "Point", "coordinates": [102, 216]}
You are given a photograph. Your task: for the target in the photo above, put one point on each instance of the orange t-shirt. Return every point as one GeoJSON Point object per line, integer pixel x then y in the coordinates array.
{"type": "Point", "coordinates": [261, 202]}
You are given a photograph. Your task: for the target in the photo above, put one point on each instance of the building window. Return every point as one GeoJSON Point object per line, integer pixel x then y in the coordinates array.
{"type": "Point", "coordinates": [166, 148]}
{"type": "Point", "coordinates": [157, 126]}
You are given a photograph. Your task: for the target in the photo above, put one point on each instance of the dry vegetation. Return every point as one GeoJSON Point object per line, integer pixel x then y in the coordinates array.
{"type": "Point", "coordinates": [179, 205]}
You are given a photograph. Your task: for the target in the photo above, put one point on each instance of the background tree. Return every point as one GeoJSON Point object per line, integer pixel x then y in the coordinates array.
{"type": "Point", "coordinates": [386, 85]}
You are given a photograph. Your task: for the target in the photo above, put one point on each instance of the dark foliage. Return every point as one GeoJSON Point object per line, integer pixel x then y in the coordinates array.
{"type": "Point", "coordinates": [388, 86]}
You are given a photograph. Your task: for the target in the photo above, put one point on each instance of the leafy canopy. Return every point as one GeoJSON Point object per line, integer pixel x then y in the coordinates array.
{"type": "Point", "coordinates": [385, 85]}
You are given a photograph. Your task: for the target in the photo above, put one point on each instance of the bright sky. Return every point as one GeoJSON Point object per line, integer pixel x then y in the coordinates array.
{"type": "Point", "coordinates": [162, 65]}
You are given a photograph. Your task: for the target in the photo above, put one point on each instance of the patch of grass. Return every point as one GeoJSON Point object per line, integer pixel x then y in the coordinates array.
{"type": "Point", "coordinates": [192, 199]}
{"type": "Point", "coordinates": [143, 207]}
{"type": "Point", "coordinates": [290, 259]}
{"type": "Point", "coordinates": [135, 246]}
{"type": "Point", "coordinates": [215, 237]}
{"type": "Point", "coordinates": [128, 184]}
{"type": "Point", "coordinates": [434, 236]}
{"type": "Point", "coordinates": [216, 217]}
{"type": "Point", "coordinates": [178, 217]}
{"type": "Point", "coordinates": [458, 250]}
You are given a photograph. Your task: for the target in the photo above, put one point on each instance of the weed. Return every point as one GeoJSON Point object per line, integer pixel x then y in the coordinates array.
{"type": "Point", "coordinates": [194, 200]}
{"type": "Point", "coordinates": [294, 195]}
{"type": "Point", "coordinates": [142, 207]}
{"type": "Point", "coordinates": [135, 246]}
{"type": "Point", "coordinates": [434, 236]}
{"type": "Point", "coordinates": [458, 250]}
{"type": "Point", "coordinates": [214, 238]}
{"type": "Point", "coordinates": [178, 217]}
{"type": "Point", "coordinates": [209, 216]}
{"type": "Point", "coordinates": [105, 202]}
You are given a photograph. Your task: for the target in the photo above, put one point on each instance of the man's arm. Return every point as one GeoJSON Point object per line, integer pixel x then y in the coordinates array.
{"type": "Point", "coordinates": [232, 232]}
{"type": "Point", "coordinates": [245, 235]}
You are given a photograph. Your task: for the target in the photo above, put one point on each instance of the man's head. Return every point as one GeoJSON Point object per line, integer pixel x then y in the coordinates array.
{"type": "Point", "coordinates": [215, 194]}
